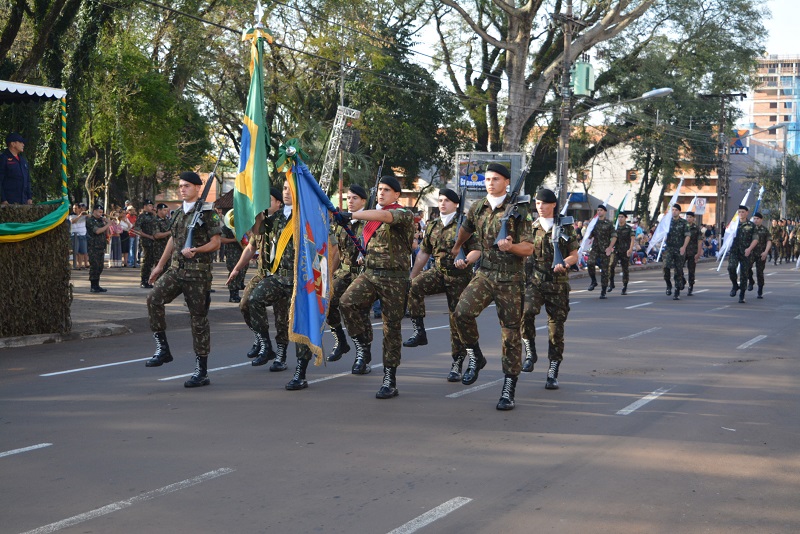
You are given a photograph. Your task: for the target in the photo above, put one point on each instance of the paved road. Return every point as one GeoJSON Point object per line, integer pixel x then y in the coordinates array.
{"type": "Point", "coordinates": [103, 444]}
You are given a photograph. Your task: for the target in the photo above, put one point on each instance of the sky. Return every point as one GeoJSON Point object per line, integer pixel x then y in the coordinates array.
{"type": "Point", "coordinates": [782, 27]}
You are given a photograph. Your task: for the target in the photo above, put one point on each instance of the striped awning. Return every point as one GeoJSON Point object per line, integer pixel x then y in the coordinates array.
{"type": "Point", "coordinates": [23, 92]}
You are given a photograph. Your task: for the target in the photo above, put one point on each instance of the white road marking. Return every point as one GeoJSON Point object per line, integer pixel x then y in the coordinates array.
{"type": "Point", "coordinates": [429, 517]}
{"type": "Point", "coordinates": [25, 449]}
{"type": "Point", "coordinates": [643, 332]}
{"type": "Point", "coordinates": [637, 291]}
{"type": "Point", "coordinates": [644, 400]}
{"type": "Point", "coordinates": [751, 342]}
{"type": "Point", "coordinates": [798, 317]}
{"type": "Point", "coordinates": [94, 367]}
{"type": "Point", "coordinates": [700, 291]}
{"type": "Point", "coordinates": [376, 367]}
{"type": "Point", "coordinates": [730, 429]}
{"type": "Point", "coordinates": [769, 274]}
{"type": "Point", "coordinates": [638, 305]}
{"type": "Point", "coordinates": [720, 308]}
{"type": "Point", "coordinates": [638, 282]}
{"type": "Point", "coordinates": [120, 505]}
{"type": "Point", "coordinates": [473, 390]}
{"type": "Point", "coordinates": [210, 370]}
{"type": "Point", "coordinates": [579, 291]}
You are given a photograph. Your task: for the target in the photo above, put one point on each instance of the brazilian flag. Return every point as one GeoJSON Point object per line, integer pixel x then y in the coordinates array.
{"type": "Point", "coordinates": [251, 189]}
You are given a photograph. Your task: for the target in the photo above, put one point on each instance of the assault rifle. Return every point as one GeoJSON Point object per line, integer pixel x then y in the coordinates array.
{"type": "Point", "coordinates": [373, 193]}
{"type": "Point", "coordinates": [197, 214]}
{"type": "Point", "coordinates": [515, 198]}
{"type": "Point", "coordinates": [559, 220]}
{"type": "Point", "coordinates": [460, 220]}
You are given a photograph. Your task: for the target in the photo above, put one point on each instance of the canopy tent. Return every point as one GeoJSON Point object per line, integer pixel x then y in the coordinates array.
{"type": "Point", "coordinates": [10, 93]}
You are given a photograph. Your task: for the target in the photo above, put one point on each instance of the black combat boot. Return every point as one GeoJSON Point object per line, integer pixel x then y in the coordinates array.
{"type": "Point", "coordinates": [146, 284]}
{"type": "Point", "coordinates": [682, 283]}
{"type": "Point", "coordinates": [200, 375]}
{"type": "Point", "coordinates": [340, 347]}
{"type": "Point", "coordinates": [691, 289]}
{"type": "Point", "coordinates": [760, 292]}
{"type": "Point", "coordinates": [265, 352]}
{"type": "Point", "coordinates": [750, 285]}
{"type": "Point", "coordinates": [669, 288]}
{"type": "Point", "coordinates": [530, 355]}
{"type": "Point", "coordinates": [280, 359]}
{"type": "Point", "coordinates": [593, 283]}
{"type": "Point", "coordinates": [95, 287]}
{"type": "Point", "coordinates": [624, 289]}
{"type": "Point", "coordinates": [506, 401]}
{"type": "Point", "coordinates": [234, 297]}
{"type": "Point", "coordinates": [741, 295]}
{"type": "Point", "coordinates": [389, 385]}
{"type": "Point", "coordinates": [611, 285]}
{"type": "Point", "coordinates": [455, 369]}
{"type": "Point", "coordinates": [256, 348]}
{"type": "Point", "coordinates": [299, 379]}
{"type": "Point", "coordinates": [420, 337]}
{"type": "Point", "coordinates": [603, 292]}
{"type": "Point", "coordinates": [361, 365]}
{"type": "Point", "coordinates": [677, 295]}
{"type": "Point", "coordinates": [475, 362]}
{"type": "Point", "coordinates": [734, 290]}
{"type": "Point", "coordinates": [552, 375]}
{"type": "Point", "coordinates": [162, 354]}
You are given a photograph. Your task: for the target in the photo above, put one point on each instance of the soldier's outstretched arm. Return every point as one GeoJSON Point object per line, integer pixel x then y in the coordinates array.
{"type": "Point", "coordinates": [162, 261]}
{"type": "Point", "coordinates": [247, 255]}
{"type": "Point", "coordinates": [463, 235]}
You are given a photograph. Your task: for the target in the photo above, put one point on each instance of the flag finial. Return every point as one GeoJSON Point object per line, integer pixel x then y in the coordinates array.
{"type": "Point", "coordinates": [258, 13]}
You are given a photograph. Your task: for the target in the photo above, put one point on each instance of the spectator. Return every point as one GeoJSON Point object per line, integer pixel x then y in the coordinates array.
{"type": "Point", "coordinates": [80, 258]}
{"type": "Point", "coordinates": [15, 176]}
{"type": "Point", "coordinates": [125, 236]}
{"type": "Point", "coordinates": [114, 232]}
{"type": "Point", "coordinates": [133, 248]}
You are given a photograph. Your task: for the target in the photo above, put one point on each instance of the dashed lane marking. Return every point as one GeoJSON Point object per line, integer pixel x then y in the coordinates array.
{"type": "Point", "coordinates": [24, 449]}
{"type": "Point", "coordinates": [94, 367]}
{"type": "Point", "coordinates": [638, 305]}
{"type": "Point", "coordinates": [750, 343]}
{"type": "Point", "coordinates": [473, 389]}
{"type": "Point", "coordinates": [642, 333]}
{"type": "Point", "coordinates": [429, 517]}
{"type": "Point", "coordinates": [644, 400]}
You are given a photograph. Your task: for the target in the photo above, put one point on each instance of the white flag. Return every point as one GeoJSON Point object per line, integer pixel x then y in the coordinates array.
{"type": "Point", "coordinates": [663, 225]}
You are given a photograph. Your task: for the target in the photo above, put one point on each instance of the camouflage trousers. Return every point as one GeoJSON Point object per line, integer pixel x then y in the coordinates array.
{"type": "Point", "coordinates": [358, 299]}
{"type": "Point", "coordinates": [196, 289]}
{"type": "Point", "coordinates": [230, 262]}
{"type": "Point", "coordinates": [598, 259]}
{"type": "Point", "coordinates": [554, 296]}
{"type": "Point", "coordinates": [741, 263]}
{"type": "Point", "coordinates": [691, 267]}
{"type": "Point", "coordinates": [508, 297]}
{"type": "Point", "coordinates": [244, 304]}
{"type": "Point", "coordinates": [432, 282]}
{"type": "Point", "coordinates": [624, 262]}
{"type": "Point", "coordinates": [96, 263]}
{"type": "Point", "coordinates": [148, 261]}
{"type": "Point", "coordinates": [673, 260]}
{"type": "Point", "coordinates": [759, 265]}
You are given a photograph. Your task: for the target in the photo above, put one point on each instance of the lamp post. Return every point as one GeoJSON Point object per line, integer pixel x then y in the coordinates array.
{"type": "Point", "coordinates": [784, 185]}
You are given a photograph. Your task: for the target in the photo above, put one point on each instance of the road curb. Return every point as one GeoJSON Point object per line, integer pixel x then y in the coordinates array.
{"type": "Point", "coordinates": [94, 331]}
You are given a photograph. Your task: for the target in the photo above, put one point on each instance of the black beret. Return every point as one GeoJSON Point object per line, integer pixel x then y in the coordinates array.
{"type": "Point", "coordinates": [450, 194]}
{"type": "Point", "coordinates": [191, 177]}
{"type": "Point", "coordinates": [359, 190]}
{"type": "Point", "coordinates": [547, 196]}
{"type": "Point", "coordinates": [392, 182]}
{"type": "Point", "coordinates": [623, 214]}
{"type": "Point", "coordinates": [601, 207]}
{"type": "Point", "coordinates": [275, 192]}
{"type": "Point", "coordinates": [97, 207]}
{"type": "Point", "coordinates": [743, 207]}
{"type": "Point", "coordinates": [161, 206]}
{"type": "Point", "coordinates": [677, 206]}
{"type": "Point", "coordinates": [758, 214]}
{"type": "Point", "coordinates": [690, 213]}
{"type": "Point", "coordinates": [14, 136]}
{"type": "Point", "coordinates": [502, 170]}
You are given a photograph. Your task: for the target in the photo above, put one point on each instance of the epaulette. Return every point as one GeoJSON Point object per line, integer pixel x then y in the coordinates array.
{"type": "Point", "coordinates": [207, 206]}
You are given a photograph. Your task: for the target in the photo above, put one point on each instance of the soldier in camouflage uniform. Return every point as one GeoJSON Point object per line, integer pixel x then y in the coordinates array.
{"type": "Point", "coordinates": [146, 227]}
{"type": "Point", "coordinates": [344, 262]}
{"type": "Point", "coordinates": [259, 243]}
{"type": "Point", "coordinates": [604, 238]}
{"type": "Point", "coordinates": [623, 248]}
{"type": "Point", "coordinates": [675, 245]}
{"type": "Point", "coordinates": [796, 241]}
{"type": "Point", "coordinates": [547, 286]}
{"type": "Point", "coordinates": [233, 252]}
{"type": "Point", "coordinates": [387, 235]}
{"type": "Point", "coordinates": [500, 278]}
{"type": "Point", "coordinates": [96, 227]}
{"type": "Point", "coordinates": [775, 232]}
{"type": "Point", "coordinates": [447, 275]}
{"type": "Point", "coordinates": [741, 253]}
{"type": "Point", "coordinates": [760, 253]}
{"type": "Point", "coordinates": [694, 249]}
{"type": "Point", "coordinates": [190, 274]}
{"type": "Point", "coordinates": [163, 232]}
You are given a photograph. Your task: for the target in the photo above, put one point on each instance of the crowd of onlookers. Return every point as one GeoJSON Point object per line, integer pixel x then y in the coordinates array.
{"type": "Point", "coordinates": [123, 244]}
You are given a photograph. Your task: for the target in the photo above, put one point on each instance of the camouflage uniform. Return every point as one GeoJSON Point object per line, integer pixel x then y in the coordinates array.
{"type": "Point", "coordinates": [602, 233]}
{"type": "Point", "coordinates": [438, 241]}
{"type": "Point", "coordinates": [387, 263]}
{"type": "Point", "coordinates": [777, 240]}
{"type": "Point", "coordinates": [190, 276]}
{"type": "Point", "coordinates": [345, 274]}
{"type": "Point", "coordinates": [673, 259]}
{"type": "Point", "coordinates": [96, 247]}
{"type": "Point", "coordinates": [763, 235]}
{"type": "Point", "coordinates": [233, 251]}
{"type": "Point", "coordinates": [620, 254]}
{"type": "Point", "coordinates": [159, 245]}
{"type": "Point", "coordinates": [545, 287]}
{"type": "Point", "coordinates": [148, 224]}
{"type": "Point", "coordinates": [691, 252]}
{"type": "Point", "coordinates": [744, 236]}
{"type": "Point", "coordinates": [500, 278]}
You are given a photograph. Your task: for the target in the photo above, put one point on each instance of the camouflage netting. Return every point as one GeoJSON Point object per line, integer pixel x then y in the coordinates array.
{"type": "Point", "coordinates": [35, 292]}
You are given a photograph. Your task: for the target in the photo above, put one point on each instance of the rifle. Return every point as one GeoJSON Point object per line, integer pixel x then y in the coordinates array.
{"type": "Point", "coordinates": [514, 198]}
{"type": "Point", "coordinates": [373, 193]}
{"type": "Point", "coordinates": [559, 219]}
{"type": "Point", "coordinates": [460, 220]}
{"type": "Point", "coordinates": [197, 214]}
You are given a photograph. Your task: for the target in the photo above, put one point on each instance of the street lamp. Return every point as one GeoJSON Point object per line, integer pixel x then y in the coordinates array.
{"type": "Point", "coordinates": [785, 126]}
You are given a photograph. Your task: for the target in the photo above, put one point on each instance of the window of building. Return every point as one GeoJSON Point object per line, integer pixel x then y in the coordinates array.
{"type": "Point", "coordinates": [631, 175]}
{"type": "Point", "coordinates": [773, 118]}
{"type": "Point", "coordinates": [787, 105]}
{"type": "Point", "coordinates": [787, 118]}
{"type": "Point", "coordinates": [773, 105]}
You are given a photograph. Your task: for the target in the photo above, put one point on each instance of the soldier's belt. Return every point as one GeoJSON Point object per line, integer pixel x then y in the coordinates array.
{"type": "Point", "coordinates": [501, 267]}
{"type": "Point", "coordinates": [387, 273]}
{"type": "Point", "coordinates": [194, 266]}
{"type": "Point", "coordinates": [452, 270]}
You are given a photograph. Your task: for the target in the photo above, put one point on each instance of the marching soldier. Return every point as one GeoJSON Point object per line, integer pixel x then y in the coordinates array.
{"type": "Point", "coordinates": [233, 251]}
{"type": "Point", "coordinates": [96, 227]}
{"type": "Point", "coordinates": [740, 254]}
{"type": "Point", "coordinates": [146, 227]}
{"type": "Point", "coordinates": [190, 274]}
{"type": "Point", "coordinates": [387, 234]}
{"type": "Point", "coordinates": [777, 239]}
{"type": "Point", "coordinates": [760, 254]}
{"type": "Point", "coordinates": [162, 232]}
{"type": "Point", "coordinates": [675, 251]}
{"type": "Point", "coordinates": [446, 276]}
{"type": "Point", "coordinates": [604, 239]}
{"type": "Point", "coordinates": [344, 261]}
{"type": "Point", "coordinates": [548, 286]}
{"type": "Point", "coordinates": [623, 248]}
{"type": "Point", "coordinates": [500, 278]}
{"type": "Point", "coordinates": [694, 249]}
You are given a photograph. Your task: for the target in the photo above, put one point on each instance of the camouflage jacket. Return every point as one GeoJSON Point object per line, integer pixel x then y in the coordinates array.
{"type": "Point", "coordinates": [694, 236]}
{"type": "Point", "coordinates": [390, 247]}
{"type": "Point", "coordinates": [540, 263]}
{"type": "Point", "coordinates": [208, 227]}
{"type": "Point", "coordinates": [162, 225]}
{"type": "Point", "coordinates": [624, 236]}
{"type": "Point", "coordinates": [95, 241]}
{"type": "Point", "coordinates": [744, 236]}
{"type": "Point", "coordinates": [763, 235]}
{"type": "Point", "coordinates": [678, 230]}
{"type": "Point", "coordinates": [148, 224]}
{"type": "Point", "coordinates": [484, 223]}
{"type": "Point", "coordinates": [273, 228]}
{"type": "Point", "coordinates": [602, 233]}
{"type": "Point", "coordinates": [777, 234]}
{"type": "Point", "coordinates": [348, 253]}
{"type": "Point", "coordinates": [439, 240]}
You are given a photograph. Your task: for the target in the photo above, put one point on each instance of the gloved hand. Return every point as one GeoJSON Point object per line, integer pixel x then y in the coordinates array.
{"type": "Point", "coordinates": [342, 218]}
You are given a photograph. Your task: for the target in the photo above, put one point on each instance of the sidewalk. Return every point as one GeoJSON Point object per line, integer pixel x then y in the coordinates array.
{"type": "Point", "coordinates": [123, 309]}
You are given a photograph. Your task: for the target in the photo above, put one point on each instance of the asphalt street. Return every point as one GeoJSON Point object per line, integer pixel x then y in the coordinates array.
{"type": "Point", "coordinates": [672, 417]}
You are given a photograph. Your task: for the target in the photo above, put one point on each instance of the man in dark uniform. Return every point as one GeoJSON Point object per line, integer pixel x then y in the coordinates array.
{"type": "Point", "coordinates": [775, 234]}
{"type": "Point", "coordinates": [760, 253]}
{"type": "Point", "coordinates": [604, 239]}
{"type": "Point", "coordinates": [344, 262]}
{"type": "Point", "coordinates": [548, 286]}
{"type": "Point", "coordinates": [500, 278]}
{"type": "Point", "coordinates": [387, 234]}
{"type": "Point", "coordinates": [162, 232]}
{"type": "Point", "coordinates": [96, 227]}
{"type": "Point", "coordinates": [446, 276]}
{"type": "Point", "coordinates": [15, 175]}
{"type": "Point", "coordinates": [740, 254]}
{"type": "Point", "coordinates": [623, 248]}
{"type": "Point", "coordinates": [675, 251]}
{"type": "Point", "coordinates": [146, 227]}
{"type": "Point", "coordinates": [190, 274]}
{"type": "Point", "coordinates": [693, 250]}
{"type": "Point", "coordinates": [233, 252]}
